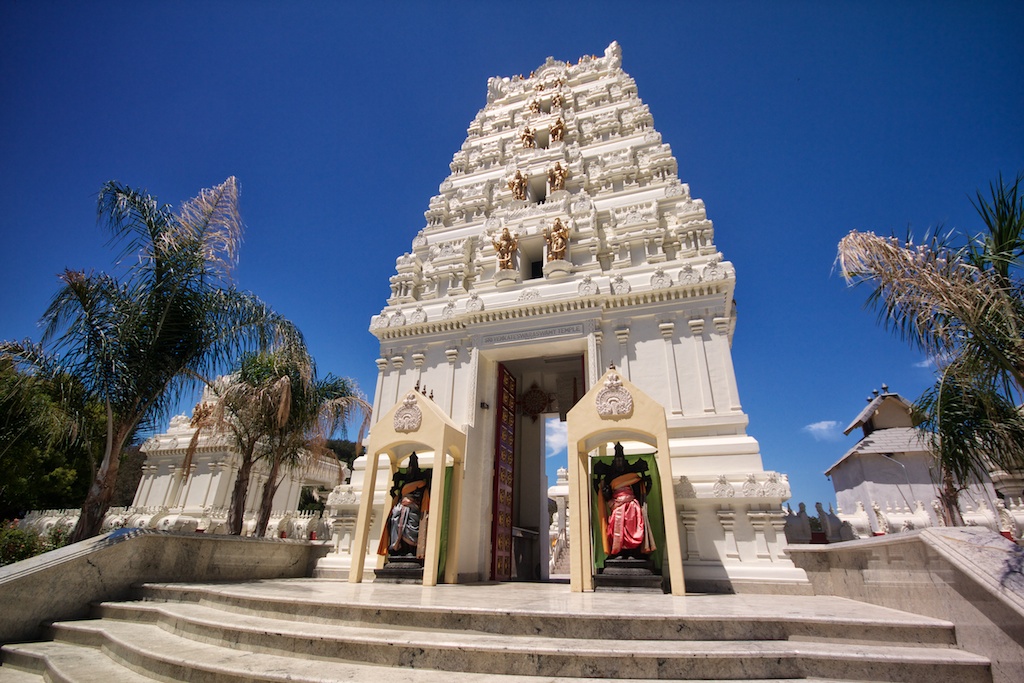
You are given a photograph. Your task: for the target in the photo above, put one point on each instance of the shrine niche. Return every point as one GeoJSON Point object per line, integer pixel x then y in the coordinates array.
{"type": "Point", "coordinates": [616, 410]}
{"type": "Point", "coordinates": [415, 423]}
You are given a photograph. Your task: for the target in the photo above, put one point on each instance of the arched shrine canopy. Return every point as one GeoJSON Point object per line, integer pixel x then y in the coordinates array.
{"type": "Point", "coordinates": [615, 410]}
{"type": "Point", "coordinates": [416, 423]}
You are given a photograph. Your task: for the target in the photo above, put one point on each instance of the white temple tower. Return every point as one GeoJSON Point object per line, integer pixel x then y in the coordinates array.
{"type": "Point", "coordinates": [639, 283]}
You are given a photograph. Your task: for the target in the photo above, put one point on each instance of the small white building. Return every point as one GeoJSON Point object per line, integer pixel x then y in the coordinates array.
{"type": "Point", "coordinates": [889, 481]}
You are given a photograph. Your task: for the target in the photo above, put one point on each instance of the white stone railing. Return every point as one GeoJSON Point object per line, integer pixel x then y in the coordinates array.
{"type": "Point", "coordinates": [560, 546]}
{"type": "Point", "coordinates": [1005, 517]}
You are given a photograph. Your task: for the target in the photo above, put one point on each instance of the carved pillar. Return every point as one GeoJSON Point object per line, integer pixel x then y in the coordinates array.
{"type": "Point", "coordinates": [594, 363]}
{"type": "Point", "coordinates": [668, 330]}
{"type": "Point", "coordinates": [452, 354]}
{"type": "Point", "coordinates": [172, 486]}
{"type": "Point", "coordinates": [689, 520]}
{"type": "Point", "coordinates": [777, 522]}
{"type": "Point", "coordinates": [622, 334]}
{"type": "Point", "coordinates": [214, 470]}
{"type": "Point", "coordinates": [727, 518]}
{"type": "Point", "coordinates": [149, 475]}
{"type": "Point", "coordinates": [397, 362]}
{"type": "Point", "coordinates": [722, 327]}
{"type": "Point", "coordinates": [704, 378]}
{"type": "Point", "coordinates": [417, 361]}
{"type": "Point", "coordinates": [762, 522]}
{"type": "Point", "coordinates": [382, 366]}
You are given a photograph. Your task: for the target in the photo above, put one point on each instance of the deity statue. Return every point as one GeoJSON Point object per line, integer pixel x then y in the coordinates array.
{"type": "Point", "coordinates": [527, 138]}
{"type": "Point", "coordinates": [556, 100]}
{"type": "Point", "coordinates": [558, 240]}
{"type": "Point", "coordinates": [556, 176]}
{"type": "Point", "coordinates": [535, 106]}
{"type": "Point", "coordinates": [558, 130]}
{"type": "Point", "coordinates": [518, 185]}
{"type": "Point", "coordinates": [505, 246]}
{"type": "Point", "coordinates": [405, 529]}
{"type": "Point", "coordinates": [622, 498]}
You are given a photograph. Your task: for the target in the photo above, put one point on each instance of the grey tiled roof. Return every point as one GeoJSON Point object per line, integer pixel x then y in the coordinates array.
{"type": "Point", "coordinates": [893, 440]}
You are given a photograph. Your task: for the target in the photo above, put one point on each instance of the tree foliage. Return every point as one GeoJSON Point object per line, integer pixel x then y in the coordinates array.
{"type": "Point", "coordinates": [960, 298]}
{"type": "Point", "coordinates": [49, 439]}
{"type": "Point", "coordinates": [135, 341]}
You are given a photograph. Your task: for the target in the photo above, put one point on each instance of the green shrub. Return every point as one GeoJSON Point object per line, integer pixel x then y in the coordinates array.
{"type": "Point", "coordinates": [57, 537]}
{"type": "Point", "coordinates": [16, 544]}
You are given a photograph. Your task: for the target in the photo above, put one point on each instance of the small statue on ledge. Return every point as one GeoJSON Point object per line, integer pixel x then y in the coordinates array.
{"type": "Point", "coordinates": [558, 240]}
{"type": "Point", "coordinates": [527, 138]}
{"type": "Point", "coordinates": [622, 497]}
{"type": "Point", "coordinates": [557, 176]}
{"type": "Point", "coordinates": [405, 530]}
{"type": "Point", "coordinates": [558, 130]}
{"type": "Point", "coordinates": [505, 247]}
{"type": "Point", "coordinates": [518, 185]}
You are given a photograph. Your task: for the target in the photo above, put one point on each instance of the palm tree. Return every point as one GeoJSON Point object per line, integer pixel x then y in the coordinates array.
{"type": "Point", "coordinates": [276, 410]}
{"type": "Point", "coordinates": [313, 410]}
{"type": "Point", "coordinates": [136, 342]}
{"type": "Point", "coordinates": [964, 306]}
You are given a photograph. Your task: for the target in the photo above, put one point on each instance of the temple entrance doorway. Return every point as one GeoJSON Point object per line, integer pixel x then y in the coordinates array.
{"type": "Point", "coordinates": [532, 399]}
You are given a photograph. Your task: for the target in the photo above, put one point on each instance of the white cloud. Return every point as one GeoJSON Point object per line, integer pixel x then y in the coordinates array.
{"type": "Point", "coordinates": [556, 437]}
{"type": "Point", "coordinates": [933, 361]}
{"type": "Point", "coordinates": [826, 430]}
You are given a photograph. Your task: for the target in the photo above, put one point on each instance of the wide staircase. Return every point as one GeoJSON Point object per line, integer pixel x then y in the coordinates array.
{"type": "Point", "coordinates": [321, 630]}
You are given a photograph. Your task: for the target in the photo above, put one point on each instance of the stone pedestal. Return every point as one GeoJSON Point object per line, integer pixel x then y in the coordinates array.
{"type": "Point", "coordinates": [557, 269]}
{"type": "Point", "coordinates": [401, 569]}
{"type": "Point", "coordinates": [506, 278]}
{"type": "Point", "coordinates": [628, 575]}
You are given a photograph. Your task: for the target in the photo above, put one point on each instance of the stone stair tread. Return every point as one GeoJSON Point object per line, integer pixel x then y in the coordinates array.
{"type": "Point", "coordinates": [479, 642]}
{"type": "Point", "coordinates": [329, 594]}
{"type": "Point", "coordinates": [206, 662]}
{"type": "Point", "coordinates": [69, 661]}
{"type": "Point", "coordinates": [10, 674]}
{"type": "Point", "coordinates": [910, 631]}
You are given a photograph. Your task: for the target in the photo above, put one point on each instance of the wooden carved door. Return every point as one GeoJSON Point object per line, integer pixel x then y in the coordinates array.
{"type": "Point", "coordinates": [504, 472]}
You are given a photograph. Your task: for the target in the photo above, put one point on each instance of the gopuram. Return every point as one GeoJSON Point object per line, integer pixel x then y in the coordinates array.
{"type": "Point", "coordinates": [564, 270]}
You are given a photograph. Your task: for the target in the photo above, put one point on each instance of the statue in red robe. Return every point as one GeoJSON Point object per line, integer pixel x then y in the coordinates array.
{"type": "Point", "coordinates": [622, 503]}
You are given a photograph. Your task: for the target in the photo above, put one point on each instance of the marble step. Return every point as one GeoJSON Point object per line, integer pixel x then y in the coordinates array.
{"type": "Point", "coordinates": [10, 674]}
{"type": "Point", "coordinates": [755, 618]}
{"type": "Point", "coordinates": [261, 668]}
{"type": "Point", "coordinates": [63, 663]}
{"type": "Point", "coordinates": [76, 663]}
{"type": "Point", "coordinates": [190, 642]}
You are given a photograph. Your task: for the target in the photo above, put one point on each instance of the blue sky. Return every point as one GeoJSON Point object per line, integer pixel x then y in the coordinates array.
{"type": "Point", "coordinates": [794, 122]}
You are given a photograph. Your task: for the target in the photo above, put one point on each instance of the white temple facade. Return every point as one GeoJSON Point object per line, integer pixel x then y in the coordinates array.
{"type": "Point", "coordinates": [563, 242]}
{"type": "Point", "coordinates": [170, 497]}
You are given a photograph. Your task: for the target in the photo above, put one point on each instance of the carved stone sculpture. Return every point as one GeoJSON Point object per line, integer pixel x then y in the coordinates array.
{"type": "Point", "coordinates": [558, 240]}
{"type": "Point", "coordinates": [614, 400]}
{"type": "Point", "coordinates": [527, 138]}
{"type": "Point", "coordinates": [558, 130]}
{"type": "Point", "coordinates": [409, 417]}
{"type": "Point", "coordinates": [518, 185]}
{"type": "Point", "coordinates": [505, 247]}
{"type": "Point", "coordinates": [556, 177]}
